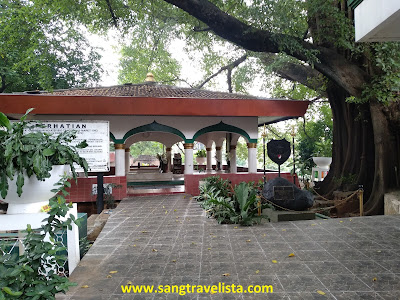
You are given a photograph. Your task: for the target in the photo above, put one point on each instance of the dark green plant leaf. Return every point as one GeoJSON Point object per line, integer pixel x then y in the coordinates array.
{"type": "Point", "coordinates": [20, 183]}
{"type": "Point", "coordinates": [48, 152]}
{"type": "Point", "coordinates": [4, 121]}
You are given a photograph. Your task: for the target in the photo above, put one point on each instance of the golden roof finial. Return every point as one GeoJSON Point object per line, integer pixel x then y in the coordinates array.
{"type": "Point", "coordinates": [149, 77]}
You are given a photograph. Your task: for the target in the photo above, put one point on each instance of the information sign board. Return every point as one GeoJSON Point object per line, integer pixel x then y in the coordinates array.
{"type": "Point", "coordinates": [96, 134]}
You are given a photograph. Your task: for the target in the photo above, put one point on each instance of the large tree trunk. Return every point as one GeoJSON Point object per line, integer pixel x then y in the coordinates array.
{"type": "Point", "coordinates": [362, 139]}
{"type": "Point", "coordinates": [386, 158]}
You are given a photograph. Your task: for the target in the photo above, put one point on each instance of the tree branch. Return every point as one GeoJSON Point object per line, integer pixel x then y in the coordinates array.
{"type": "Point", "coordinates": [333, 65]}
{"type": "Point", "coordinates": [113, 16]}
{"type": "Point", "coordinates": [198, 29]}
{"type": "Point", "coordinates": [229, 80]}
{"type": "Point", "coordinates": [296, 72]}
{"type": "Point", "coordinates": [230, 66]}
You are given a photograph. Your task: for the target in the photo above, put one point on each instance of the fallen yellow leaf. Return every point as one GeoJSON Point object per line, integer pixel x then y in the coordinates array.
{"type": "Point", "coordinates": [163, 206]}
{"type": "Point", "coordinates": [291, 255]}
{"type": "Point", "coordinates": [313, 224]}
{"type": "Point", "coordinates": [274, 261]}
{"type": "Point", "coordinates": [374, 279]}
{"type": "Point", "coordinates": [84, 286]}
{"type": "Point", "coordinates": [321, 292]}
{"type": "Point", "coordinates": [341, 221]}
{"type": "Point", "coordinates": [109, 276]}
{"type": "Point", "coordinates": [174, 209]}
{"type": "Point", "coordinates": [257, 271]}
{"type": "Point", "coordinates": [264, 234]}
{"type": "Point", "coordinates": [248, 241]}
{"type": "Point", "coordinates": [283, 229]}
{"type": "Point", "coordinates": [166, 211]}
{"type": "Point", "coordinates": [129, 282]}
{"type": "Point", "coordinates": [113, 272]}
{"type": "Point", "coordinates": [208, 248]}
{"type": "Point", "coordinates": [134, 245]}
{"type": "Point", "coordinates": [174, 260]}
{"type": "Point", "coordinates": [154, 250]}
{"type": "Point", "coordinates": [235, 227]}
{"type": "Point", "coordinates": [226, 274]}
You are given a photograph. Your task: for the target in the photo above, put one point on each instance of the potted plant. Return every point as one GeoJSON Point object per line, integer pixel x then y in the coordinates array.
{"type": "Point", "coordinates": [201, 157]}
{"type": "Point", "coordinates": [33, 159]}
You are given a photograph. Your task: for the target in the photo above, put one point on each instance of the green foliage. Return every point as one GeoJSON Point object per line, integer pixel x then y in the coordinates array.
{"type": "Point", "coordinates": [314, 137]}
{"type": "Point", "coordinates": [239, 205]}
{"type": "Point", "coordinates": [246, 196]}
{"type": "Point", "coordinates": [39, 49]}
{"type": "Point", "coordinates": [148, 53]}
{"type": "Point", "coordinates": [26, 151]}
{"type": "Point", "coordinates": [333, 26]}
{"type": "Point", "coordinates": [211, 185]}
{"type": "Point", "coordinates": [385, 85]}
{"type": "Point", "coordinates": [201, 153]}
{"type": "Point", "coordinates": [33, 275]}
{"type": "Point", "coordinates": [146, 148]}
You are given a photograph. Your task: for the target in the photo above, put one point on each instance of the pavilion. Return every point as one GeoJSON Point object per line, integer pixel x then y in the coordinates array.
{"type": "Point", "coordinates": [154, 112]}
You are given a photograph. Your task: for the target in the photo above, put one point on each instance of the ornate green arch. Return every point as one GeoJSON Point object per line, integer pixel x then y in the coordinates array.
{"type": "Point", "coordinates": [221, 126]}
{"type": "Point", "coordinates": [152, 127]}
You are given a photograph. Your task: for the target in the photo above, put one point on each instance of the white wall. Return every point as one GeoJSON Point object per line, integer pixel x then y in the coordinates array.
{"type": "Point", "coordinates": [377, 20]}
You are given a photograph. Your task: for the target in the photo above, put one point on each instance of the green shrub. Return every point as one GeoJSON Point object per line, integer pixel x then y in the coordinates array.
{"type": "Point", "coordinates": [238, 205]}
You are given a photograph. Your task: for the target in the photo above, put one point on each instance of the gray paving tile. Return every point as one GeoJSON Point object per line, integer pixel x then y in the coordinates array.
{"type": "Point", "coordinates": [381, 282]}
{"type": "Point", "coordinates": [344, 283]}
{"type": "Point", "coordinates": [168, 240]}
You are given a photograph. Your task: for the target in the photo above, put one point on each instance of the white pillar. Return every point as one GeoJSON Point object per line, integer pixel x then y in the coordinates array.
{"type": "Point", "coordinates": [119, 159]}
{"type": "Point", "coordinates": [127, 160]}
{"type": "Point", "coordinates": [188, 158]}
{"type": "Point", "coordinates": [252, 157]}
{"type": "Point", "coordinates": [233, 167]}
{"type": "Point", "coordinates": [209, 160]}
{"type": "Point", "coordinates": [73, 241]}
{"type": "Point", "coordinates": [168, 153]}
{"type": "Point", "coordinates": [219, 155]}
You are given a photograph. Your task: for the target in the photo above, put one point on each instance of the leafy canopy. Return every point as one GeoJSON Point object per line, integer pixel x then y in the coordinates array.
{"type": "Point", "coordinates": [42, 49]}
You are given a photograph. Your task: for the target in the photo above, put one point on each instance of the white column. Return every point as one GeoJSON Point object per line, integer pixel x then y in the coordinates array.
{"type": "Point", "coordinates": [252, 157]}
{"type": "Point", "coordinates": [233, 159]}
{"type": "Point", "coordinates": [219, 155]}
{"type": "Point", "coordinates": [127, 160]}
{"type": "Point", "coordinates": [188, 158]}
{"type": "Point", "coordinates": [209, 160]}
{"type": "Point", "coordinates": [73, 241]}
{"type": "Point", "coordinates": [168, 153]}
{"type": "Point", "coordinates": [119, 159]}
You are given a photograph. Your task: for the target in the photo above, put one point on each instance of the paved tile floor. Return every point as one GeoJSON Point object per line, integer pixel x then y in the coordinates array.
{"type": "Point", "coordinates": [165, 240]}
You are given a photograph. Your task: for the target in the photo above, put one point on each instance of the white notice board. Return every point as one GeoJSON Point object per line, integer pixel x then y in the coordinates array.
{"type": "Point", "coordinates": [96, 134]}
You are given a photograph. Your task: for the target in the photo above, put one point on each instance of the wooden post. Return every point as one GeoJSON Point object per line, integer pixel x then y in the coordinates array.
{"type": "Point", "coordinates": [361, 198]}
